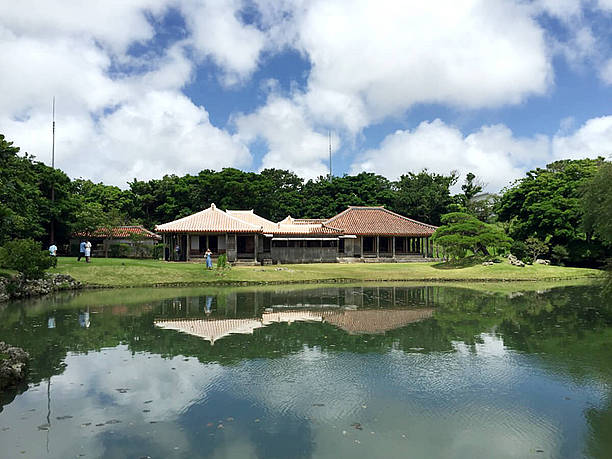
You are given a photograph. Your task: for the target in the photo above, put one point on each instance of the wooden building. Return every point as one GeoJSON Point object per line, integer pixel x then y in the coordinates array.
{"type": "Point", "coordinates": [356, 234]}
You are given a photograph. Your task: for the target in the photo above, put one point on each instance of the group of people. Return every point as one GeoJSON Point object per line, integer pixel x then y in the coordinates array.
{"type": "Point", "coordinates": [84, 251]}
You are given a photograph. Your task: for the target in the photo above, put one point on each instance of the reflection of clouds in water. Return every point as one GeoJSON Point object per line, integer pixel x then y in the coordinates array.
{"type": "Point", "coordinates": [298, 384]}
{"type": "Point", "coordinates": [146, 377]}
{"type": "Point", "coordinates": [86, 391]}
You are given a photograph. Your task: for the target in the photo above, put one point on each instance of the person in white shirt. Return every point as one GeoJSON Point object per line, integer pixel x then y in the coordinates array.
{"type": "Point", "coordinates": [87, 251]}
{"type": "Point", "coordinates": [53, 249]}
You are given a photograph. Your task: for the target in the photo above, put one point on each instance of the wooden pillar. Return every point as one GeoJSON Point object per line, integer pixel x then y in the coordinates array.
{"type": "Point", "coordinates": [361, 246]}
{"type": "Point", "coordinates": [187, 246]}
{"type": "Point", "coordinates": [377, 247]}
{"type": "Point", "coordinates": [393, 246]}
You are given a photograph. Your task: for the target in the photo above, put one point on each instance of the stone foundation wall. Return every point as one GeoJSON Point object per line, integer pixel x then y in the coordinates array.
{"type": "Point", "coordinates": [17, 287]}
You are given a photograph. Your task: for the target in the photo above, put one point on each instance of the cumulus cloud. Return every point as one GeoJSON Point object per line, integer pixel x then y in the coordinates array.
{"type": "Point", "coordinates": [292, 141]}
{"type": "Point", "coordinates": [593, 138]}
{"type": "Point", "coordinates": [112, 125]}
{"type": "Point", "coordinates": [219, 34]}
{"type": "Point", "coordinates": [493, 153]}
{"type": "Point", "coordinates": [370, 61]}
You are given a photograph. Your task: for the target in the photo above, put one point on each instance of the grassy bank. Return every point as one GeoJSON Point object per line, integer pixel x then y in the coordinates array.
{"type": "Point", "coordinates": [133, 273]}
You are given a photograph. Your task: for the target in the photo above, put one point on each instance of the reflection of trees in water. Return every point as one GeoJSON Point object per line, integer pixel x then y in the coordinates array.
{"type": "Point", "coordinates": [599, 440]}
{"type": "Point", "coordinates": [567, 325]}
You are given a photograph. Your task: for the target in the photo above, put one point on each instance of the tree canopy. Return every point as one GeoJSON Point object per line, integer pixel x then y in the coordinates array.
{"type": "Point", "coordinates": [597, 204]}
{"type": "Point", "coordinates": [462, 233]}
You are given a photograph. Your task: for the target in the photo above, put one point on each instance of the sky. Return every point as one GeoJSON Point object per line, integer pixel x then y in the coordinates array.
{"type": "Point", "coordinates": [147, 88]}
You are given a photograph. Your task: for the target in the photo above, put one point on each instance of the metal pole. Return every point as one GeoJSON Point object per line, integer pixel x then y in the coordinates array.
{"type": "Point", "coordinates": [52, 232]}
{"type": "Point", "coordinates": [330, 161]}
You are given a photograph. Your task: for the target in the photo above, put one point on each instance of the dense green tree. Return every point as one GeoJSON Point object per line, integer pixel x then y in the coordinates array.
{"type": "Point", "coordinates": [26, 208]}
{"type": "Point", "coordinates": [323, 198]}
{"type": "Point", "coordinates": [597, 203]}
{"type": "Point", "coordinates": [547, 204]}
{"type": "Point", "coordinates": [462, 233]}
{"type": "Point", "coordinates": [424, 196]}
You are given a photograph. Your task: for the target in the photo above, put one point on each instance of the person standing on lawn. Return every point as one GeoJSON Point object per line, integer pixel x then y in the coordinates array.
{"type": "Point", "coordinates": [87, 251]}
{"type": "Point", "coordinates": [81, 250]}
{"type": "Point", "coordinates": [208, 255]}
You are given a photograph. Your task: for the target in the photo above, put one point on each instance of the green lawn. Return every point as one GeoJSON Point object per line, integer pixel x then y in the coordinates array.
{"type": "Point", "coordinates": [131, 273]}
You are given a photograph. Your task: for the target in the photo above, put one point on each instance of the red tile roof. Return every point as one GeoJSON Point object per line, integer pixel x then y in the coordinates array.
{"type": "Point", "coordinates": [211, 220]}
{"type": "Point", "coordinates": [251, 217]}
{"type": "Point", "coordinates": [120, 232]}
{"type": "Point", "coordinates": [371, 221]}
{"type": "Point", "coordinates": [354, 220]}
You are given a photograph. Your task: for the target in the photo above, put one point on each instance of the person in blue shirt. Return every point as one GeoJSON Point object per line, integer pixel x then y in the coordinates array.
{"type": "Point", "coordinates": [81, 250]}
{"type": "Point", "coordinates": [208, 255]}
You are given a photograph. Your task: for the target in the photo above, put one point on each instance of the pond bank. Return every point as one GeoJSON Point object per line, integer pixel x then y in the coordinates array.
{"type": "Point", "coordinates": [15, 287]}
{"type": "Point", "coordinates": [13, 361]}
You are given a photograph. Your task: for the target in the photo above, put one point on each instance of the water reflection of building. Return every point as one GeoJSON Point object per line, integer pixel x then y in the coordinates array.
{"type": "Point", "coordinates": [352, 321]}
{"type": "Point", "coordinates": [375, 321]}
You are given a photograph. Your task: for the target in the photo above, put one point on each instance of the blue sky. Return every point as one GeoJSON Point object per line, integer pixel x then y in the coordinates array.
{"type": "Point", "coordinates": [151, 87]}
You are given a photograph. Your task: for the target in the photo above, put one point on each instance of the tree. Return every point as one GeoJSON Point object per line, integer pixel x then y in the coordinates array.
{"type": "Point", "coordinates": [424, 196]}
{"type": "Point", "coordinates": [547, 204]}
{"type": "Point", "coordinates": [462, 233]}
{"type": "Point", "coordinates": [535, 247]}
{"type": "Point", "coordinates": [470, 189]}
{"type": "Point", "coordinates": [597, 203]}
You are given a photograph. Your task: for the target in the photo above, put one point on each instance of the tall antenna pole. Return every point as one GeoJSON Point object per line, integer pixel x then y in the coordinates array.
{"type": "Point", "coordinates": [53, 146]}
{"type": "Point", "coordinates": [52, 232]}
{"type": "Point", "coordinates": [330, 162]}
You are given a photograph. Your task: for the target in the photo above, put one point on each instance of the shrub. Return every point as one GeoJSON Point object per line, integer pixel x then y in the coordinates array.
{"type": "Point", "coordinates": [140, 250]}
{"type": "Point", "coordinates": [559, 254]}
{"type": "Point", "coordinates": [158, 251]}
{"type": "Point", "coordinates": [26, 257]}
{"type": "Point", "coordinates": [222, 261]}
{"type": "Point", "coordinates": [119, 251]}
{"type": "Point", "coordinates": [519, 250]}
{"type": "Point", "coordinates": [535, 247]}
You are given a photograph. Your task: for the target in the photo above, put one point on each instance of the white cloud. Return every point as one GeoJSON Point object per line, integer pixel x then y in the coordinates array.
{"type": "Point", "coordinates": [114, 23]}
{"type": "Point", "coordinates": [218, 33]}
{"type": "Point", "coordinates": [561, 9]}
{"type": "Point", "coordinates": [370, 60]}
{"type": "Point", "coordinates": [592, 139]}
{"type": "Point", "coordinates": [605, 5]}
{"type": "Point", "coordinates": [493, 153]}
{"type": "Point", "coordinates": [292, 141]}
{"type": "Point", "coordinates": [111, 126]}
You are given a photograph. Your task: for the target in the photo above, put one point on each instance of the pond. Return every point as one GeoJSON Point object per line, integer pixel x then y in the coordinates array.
{"type": "Point", "coordinates": [325, 372]}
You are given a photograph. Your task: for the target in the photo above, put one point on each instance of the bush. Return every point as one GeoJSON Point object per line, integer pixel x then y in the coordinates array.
{"type": "Point", "coordinates": [26, 257]}
{"type": "Point", "coordinates": [140, 250]}
{"type": "Point", "coordinates": [559, 254]}
{"type": "Point", "coordinates": [519, 250]}
{"type": "Point", "coordinates": [119, 250]}
{"type": "Point", "coordinates": [222, 261]}
{"type": "Point", "coordinates": [158, 251]}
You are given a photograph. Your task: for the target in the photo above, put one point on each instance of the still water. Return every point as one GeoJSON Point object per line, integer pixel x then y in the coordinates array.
{"type": "Point", "coordinates": [359, 371]}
